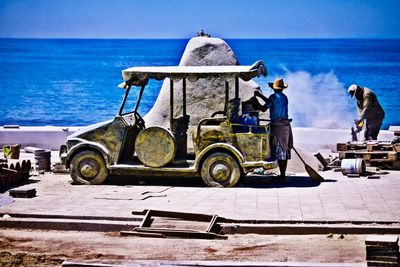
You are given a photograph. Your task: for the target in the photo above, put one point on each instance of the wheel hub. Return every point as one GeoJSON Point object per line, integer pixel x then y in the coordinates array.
{"type": "Point", "coordinates": [89, 169]}
{"type": "Point", "coordinates": [220, 172]}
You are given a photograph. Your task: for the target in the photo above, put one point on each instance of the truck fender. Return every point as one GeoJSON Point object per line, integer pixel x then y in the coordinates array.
{"type": "Point", "coordinates": [89, 146]}
{"type": "Point", "coordinates": [220, 147]}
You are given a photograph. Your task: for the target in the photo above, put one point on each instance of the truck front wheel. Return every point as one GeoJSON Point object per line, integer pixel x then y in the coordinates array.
{"type": "Point", "coordinates": [220, 170]}
{"type": "Point", "coordinates": [88, 167]}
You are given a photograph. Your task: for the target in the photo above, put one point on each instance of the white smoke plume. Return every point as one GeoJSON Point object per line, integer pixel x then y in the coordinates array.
{"type": "Point", "coordinates": [318, 101]}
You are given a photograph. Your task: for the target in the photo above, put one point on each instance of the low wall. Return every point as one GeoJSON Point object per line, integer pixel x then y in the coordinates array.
{"type": "Point", "coordinates": [51, 137]}
{"type": "Point", "coordinates": [47, 137]}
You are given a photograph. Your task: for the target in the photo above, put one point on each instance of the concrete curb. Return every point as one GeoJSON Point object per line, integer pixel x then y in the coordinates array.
{"type": "Point", "coordinates": [212, 264]}
{"type": "Point", "coordinates": [67, 224]}
{"type": "Point", "coordinates": [109, 224]}
{"type": "Point", "coordinates": [308, 229]}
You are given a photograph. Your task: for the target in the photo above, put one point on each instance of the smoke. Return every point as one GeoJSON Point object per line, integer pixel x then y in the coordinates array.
{"type": "Point", "coordinates": [318, 101]}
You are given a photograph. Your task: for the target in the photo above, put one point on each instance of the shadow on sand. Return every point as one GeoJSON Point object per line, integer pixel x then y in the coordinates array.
{"type": "Point", "coordinates": [5, 188]}
{"type": "Point", "coordinates": [250, 181]}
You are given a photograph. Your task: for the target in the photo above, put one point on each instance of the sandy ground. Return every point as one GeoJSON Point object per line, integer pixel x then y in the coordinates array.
{"type": "Point", "coordinates": [20, 247]}
{"type": "Point", "coordinates": [51, 248]}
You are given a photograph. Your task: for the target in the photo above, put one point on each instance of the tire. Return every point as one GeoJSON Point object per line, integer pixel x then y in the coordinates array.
{"type": "Point", "coordinates": [220, 170]}
{"type": "Point", "coordinates": [88, 167]}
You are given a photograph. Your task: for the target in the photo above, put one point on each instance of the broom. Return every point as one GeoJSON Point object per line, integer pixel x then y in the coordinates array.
{"type": "Point", "coordinates": [314, 176]}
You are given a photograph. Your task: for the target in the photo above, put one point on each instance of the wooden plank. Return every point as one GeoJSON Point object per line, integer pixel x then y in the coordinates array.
{"type": "Point", "coordinates": [384, 157]}
{"type": "Point", "coordinates": [370, 154]}
{"type": "Point", "coordinates": [179, 215]}
{"type": "Point", "coordinates": [146, 222]}
{"type": "Point", "coordinates": [391, 241]}
{"type": "Point", "coordinates": [341, 147]}
{"type": "Point", "coordinates": [213, 224]}
{"type": "Point", "coordinates": [384, 258]}
{"type": "Point", "coordinates": [393, 156]}
{"type": "Point", "coordinates": [141, 234]}
{"type": "Point", "coordinates": [381, 264]}
{"type": "Point", "coordinates": [181, 233]}
{"type": "Point", "coordinates": [210, 232]}
{"type": "Point", "coordinates": [379, 147]}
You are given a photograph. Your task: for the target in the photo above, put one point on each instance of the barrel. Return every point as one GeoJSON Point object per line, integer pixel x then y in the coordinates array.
{"type": "Point", "coordinates": [42, 159]}
{"type": "Point", "coordinates": [352, 166]}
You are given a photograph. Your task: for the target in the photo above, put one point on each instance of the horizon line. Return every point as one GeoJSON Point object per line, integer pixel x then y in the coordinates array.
{"type": "Point", "coordinates": [186, 38]}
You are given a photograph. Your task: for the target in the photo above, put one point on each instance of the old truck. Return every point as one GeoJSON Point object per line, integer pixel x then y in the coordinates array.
{"type": "Point", "coordinates": [224, 149]}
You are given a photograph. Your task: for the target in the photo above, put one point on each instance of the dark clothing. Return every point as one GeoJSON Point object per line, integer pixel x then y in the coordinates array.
{"type": "Point", "coordinates": [368, 108]}
{"type": "Point", "coordinates": [372, 130]}
{"type": "Point", "coordinates": [281, 139]}
{"type": "Point", "coordinates": [252, 106]}
{"type": "Point", "coordinates": [281, 131]}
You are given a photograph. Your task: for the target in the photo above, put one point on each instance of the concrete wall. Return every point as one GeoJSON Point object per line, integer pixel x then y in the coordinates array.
{"type": "Point", "coordinates": [48, 137]}
{"type": "Point", "coordinates": [51, 137]}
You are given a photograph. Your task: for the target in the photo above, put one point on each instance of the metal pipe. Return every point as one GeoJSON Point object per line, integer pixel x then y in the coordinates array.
{"type": "Point", "coordinates": [171, 101]}
{"type": "Point", "coordinates": [121, 108]}
{"type": "Point", "coordinates": [236, 87]}
{"type": "Point", "coordinates": [226, 97]}
{"type": "Point", "coordinates": [139, 98]}
{"type": "Point", "coordinates": [184, 96]}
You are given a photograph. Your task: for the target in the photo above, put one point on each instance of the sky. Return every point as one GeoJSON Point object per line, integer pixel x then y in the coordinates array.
{"type": "Point", "coordinates": [184, 18]}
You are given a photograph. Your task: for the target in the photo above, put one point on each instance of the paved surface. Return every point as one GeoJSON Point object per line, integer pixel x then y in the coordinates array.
{"type": "Point", "coordinates": [337, 199]}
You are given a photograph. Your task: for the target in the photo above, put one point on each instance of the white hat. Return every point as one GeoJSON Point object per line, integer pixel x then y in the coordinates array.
{"type": "Point", "coordinates": [352, 89]}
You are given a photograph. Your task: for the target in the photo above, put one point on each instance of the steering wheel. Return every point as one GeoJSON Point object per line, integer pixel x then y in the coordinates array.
{"type": "Point", "coordinates": [139, 121]}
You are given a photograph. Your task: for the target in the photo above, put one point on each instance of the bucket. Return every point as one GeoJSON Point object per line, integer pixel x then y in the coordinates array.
{"type": "Point", "coordinates": [352, 166]}
{"type": "Point", "coordinates": [11, 151]}
{"type": "Point", "coordinates": [42, 160]}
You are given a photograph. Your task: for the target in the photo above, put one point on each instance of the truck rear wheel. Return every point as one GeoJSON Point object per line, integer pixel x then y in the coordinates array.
{"type": "Point", "coordinates": [220, 170]}
{"type": "Point", "coordinates": [88, 167]}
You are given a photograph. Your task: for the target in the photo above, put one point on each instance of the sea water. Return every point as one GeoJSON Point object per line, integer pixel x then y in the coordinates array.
{"type": "Point", "coordinates": [73, 82]}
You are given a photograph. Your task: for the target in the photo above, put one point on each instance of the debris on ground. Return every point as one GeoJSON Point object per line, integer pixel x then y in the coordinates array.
{"type": "Point", "coordinates": [382, 154]}
{"type": "Point", "coordinates": [14, 172]}
{"type": "Point", "coordinates": [22, 193]}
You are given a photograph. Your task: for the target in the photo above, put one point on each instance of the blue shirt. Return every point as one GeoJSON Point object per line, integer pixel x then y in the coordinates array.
{"type": "Point", "coordinates": [278, 106]}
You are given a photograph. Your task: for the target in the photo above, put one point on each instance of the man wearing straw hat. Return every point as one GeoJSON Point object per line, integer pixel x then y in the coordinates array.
{"type": "Point", "coordinates": [281, 131]}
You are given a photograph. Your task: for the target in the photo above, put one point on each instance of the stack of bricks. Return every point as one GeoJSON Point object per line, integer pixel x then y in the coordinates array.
{"type": "Point", "coordinates": [382, 250]}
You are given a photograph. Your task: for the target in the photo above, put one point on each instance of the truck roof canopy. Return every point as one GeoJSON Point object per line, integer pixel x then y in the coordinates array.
{"type": "Point", "coordinates": [141, 75]}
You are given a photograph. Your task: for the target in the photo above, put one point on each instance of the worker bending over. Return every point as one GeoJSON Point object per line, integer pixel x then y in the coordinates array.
{"type": "Point", "coordinates": [368, 109]}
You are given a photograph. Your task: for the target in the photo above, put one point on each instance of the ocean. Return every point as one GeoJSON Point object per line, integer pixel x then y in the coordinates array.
{"type": "Point", "coordinates": [73, 82]}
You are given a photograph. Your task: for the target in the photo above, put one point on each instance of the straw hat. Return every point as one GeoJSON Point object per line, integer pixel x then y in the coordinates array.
{"type": "Point", "coordinates": [278, 84]}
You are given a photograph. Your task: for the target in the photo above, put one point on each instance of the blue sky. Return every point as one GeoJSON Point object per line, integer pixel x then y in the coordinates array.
{"type": "Point", "coordinates": [183, 18]}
